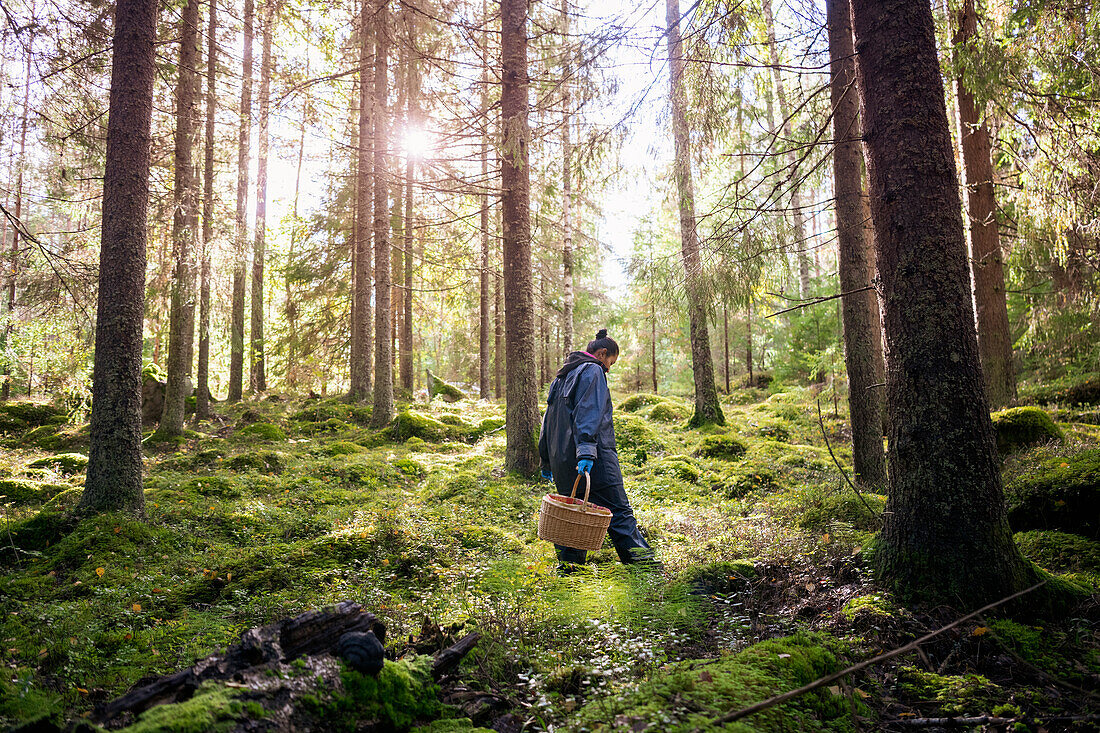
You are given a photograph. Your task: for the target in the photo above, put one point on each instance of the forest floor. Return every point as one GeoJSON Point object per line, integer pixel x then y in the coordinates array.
{"type": "Point", "coordinates": [279, 506]}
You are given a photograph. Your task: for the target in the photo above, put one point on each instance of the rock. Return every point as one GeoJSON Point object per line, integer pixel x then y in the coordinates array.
{"type": "Point", "coordinates": [448, 392]}
{"type": "Point", "coordinates": [152, 400]}
{"type": "Point", "coordinates": [1023, 427]}
{"type": "Point", "coordinates": [1056, 492]}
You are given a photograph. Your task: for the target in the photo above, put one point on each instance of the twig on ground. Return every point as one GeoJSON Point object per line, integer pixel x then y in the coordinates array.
{"type": "Point", "coordinates": [828, 679]}
{"type": "Point", "coordinates": [988, 720]}
{"type": "Point", "coordinates": [840, 468]}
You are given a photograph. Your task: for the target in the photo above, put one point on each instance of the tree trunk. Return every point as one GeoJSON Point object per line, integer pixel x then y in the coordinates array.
{"type": "Point", "coordinates": [986, 258]}
{"type": "Point", "coordinates": [707, 409]}
{"type": "Point", "coordinates": [498, 345]}
{"type": "Point", "coordinates": [567, 188]}
{"type": "Point", "coordinates": [855, 257]}
{"type": "Point", "coordinates": [484, 357]}
{"type": "Point", "coordinates": [361, 305]}
{"type": "Point", "coordinates": [236, 336]}
{"type": "Point", "coordinates": [202, 399]}
{"type": "Point", "coordinates": [181, 333]}
{"type": "Point", "coordinates": [522, 412]}
{"type": "Point", "coordinates": [383, 273]}
{"type": "Point", "coordinates": [653, 338]}
{"type": "Point", "coordinates": [946, 537]}
{"type": "Point", "coordinates": [13, 265]}
{"type": "Point", "coordinates": [113, 479]}
{"type": "Point", "coordinates": [291, 306]}
{"type": "Point", "coordinates": [257, 378]}
{"type": "Point", "coordinates": [412, 115]}
{"type": "Point", "coordinates": [748, 342]}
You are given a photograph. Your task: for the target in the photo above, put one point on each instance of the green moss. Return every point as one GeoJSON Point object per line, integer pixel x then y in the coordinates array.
{"type": "Point", "coordinates": [685, 696]}
{"type": "Point", "coordinates": [264, 461]}
{"type": "Point", "coordinates": [722, 446]}
{"type": "Point", "coordinates": [452, 725]}
{"type": "Point", "coordinates": [263, 431]}
{"type": "Point", "coordinates": [749, 476]}
{"type": "Point", "coordinates": [966, 694]}
{"type": "Point", "coordinates": [1067, 391]}
{"type": "Point", "coordinates": [343, 448]}
{"type": "Point", "coordinates": [1022, 427]}
{"type": "Point", "coordinates": [775, 431]}
{"type": "Point", "coordinates": [1059, 552]}
{"type": "Point", "coordinates": [680, 467]}
{"type": "Point", "coordinates": [408, 424]}
{"type": "Point", "coordinates": [633, 433]}
{"type": "Point", "coordinates": [67, 463]}
{"type": "Point", "coordinates": [1056, 492]}
{"type": "Point", "coordinates": [819, 509]}
{"type": "Point", "coordinates": [213, 708]}
{"type": "Point", "coordinates": [108, 541]}
{"type": "Point", "coordinates": [636, 402]}
{"type": "Point", "coordinates": [667, 412]}
{"type": "Point", "coordinates": [402, 693]}
{"type": "Point", "coordinates": [23, 491]}
{"type": "Point", "coordinates": [31, 413]}
{"type": "Point", "coordinates": [870, 608]}
{"type": "Point", "coordinates": [448, 392]}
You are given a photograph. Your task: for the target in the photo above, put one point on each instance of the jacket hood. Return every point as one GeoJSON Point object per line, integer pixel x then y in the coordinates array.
{"type": "Point", "coordinates": [577, 359]}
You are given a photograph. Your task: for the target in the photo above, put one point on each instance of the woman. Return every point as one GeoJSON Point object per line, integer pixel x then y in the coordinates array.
{"type": "Point", "coordinates": [578, 437]}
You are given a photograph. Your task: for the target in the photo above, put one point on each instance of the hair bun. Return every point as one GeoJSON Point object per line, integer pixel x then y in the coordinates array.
{"type": "Point", "coordinates": [602, 333]}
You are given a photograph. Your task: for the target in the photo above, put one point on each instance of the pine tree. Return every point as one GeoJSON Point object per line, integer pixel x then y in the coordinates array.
{"type": "Point", "coordinates": [383, 275]}
{"type": "Point", "coordinates": [202, 400]}
{"type": "Point", "coordinates": [236, 327]}
{"type": "Point", "coordinates": [257, 380]}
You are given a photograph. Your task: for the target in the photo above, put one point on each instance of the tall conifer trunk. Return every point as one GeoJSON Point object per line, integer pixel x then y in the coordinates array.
{"type": "Point", "coordinates": [707, 409]}
{"type": "Point", "coordinates": [522, 412]}
{"type": "Point", "coordinates": [364, 203]}
{"type": "Point", "coordinates": [566, 187]}
{"type": "Point", "coordinates": [856, 257]}
{"type": "Point", "coordinates": [383, 265]}
{"type": "Point", "coordinates": [412, 117]}
{"type": "Point", "coordinates": [184, 228]}
{"type": "Point", "coordinates": [202, 399]}
{"type": "Point", "coordinates": [290, 306]}
{"type": "Point", "coordinates": [484, 337]}
{"type": "Point", "coordinates": [113, 481]}
{"type": "Point", "coordinates": [13, 264]}
{"type": "Point", "coordinates": [257, 379]}
{"type": "Point", "coordinates": [986, 257]}
{"type": "Point", "coordinates": [236, 335]}
{"type": "Point", "coordinates": [946, 537]}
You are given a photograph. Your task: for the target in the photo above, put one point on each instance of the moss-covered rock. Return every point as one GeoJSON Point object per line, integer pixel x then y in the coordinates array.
{"type": "Point", "coordinates": [633, 434]}
{"type": "Point", "coordinates": [667, 412]}
{"type": "Point", "coordinates": [214, 708]}
{"type": "Point", "coordinates": [23, 491]}
{"type": "Point", "coordinates": [1023, 427]}
{"type": "Point", "coordinates": [679, 467]}
{"type": "Point", "coordinates": [868, 610]}
{"type": "Point", "coordinates": [1056, 492]}
{"type": "Point", "coordinates": [402, 693]}
{"type": "Point", "coordinates": [264, 461]}
{"type": "Point", "coordinates": [1074, 390]}
{"type": "Point", "coordinates": [723, 446]}
{"type": "Point", "coordinates": [447, 391]}
{"type": "Point", "coordinates": [262, 431]}
{"type": "Point", "coordinates": [343, 448]}
{"type": "Point", "coordinates": [408, 424]}
{"type": "Point", "coordinates": [332, 409]}
{"type": "Point", "coordinates": [25, 414]}
{"type": "Point", "coordinates": [66, 463]}
{"type": "Point", "coordinates": [635, 402]}
{"type": "Point", "coordinates": [689, 695]}
{"type": "Point", "coordinates": [966, 694]}
{"type": "Point", "coordinates": [1059, 552]}
{"type": "Point", "coordinates": [747, 477]}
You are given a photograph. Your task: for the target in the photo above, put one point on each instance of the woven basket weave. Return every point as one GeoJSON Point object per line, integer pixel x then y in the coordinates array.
{"type": "Point", "coordinates": [572, 522]}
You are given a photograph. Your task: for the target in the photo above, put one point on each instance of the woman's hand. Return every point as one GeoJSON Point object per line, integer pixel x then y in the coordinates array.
{"type": "Point", "coordinates": [585, 465]}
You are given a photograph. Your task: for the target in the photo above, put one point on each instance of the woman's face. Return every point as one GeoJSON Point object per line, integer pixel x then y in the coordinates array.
{"type": "Point", "coordinates": [605, 358]}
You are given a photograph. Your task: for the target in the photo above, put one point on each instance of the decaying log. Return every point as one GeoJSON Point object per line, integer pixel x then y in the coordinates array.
{"type": "Point", "coordinates": [448, 659]}
{"type": "Point", "coordinates": [311, 633]}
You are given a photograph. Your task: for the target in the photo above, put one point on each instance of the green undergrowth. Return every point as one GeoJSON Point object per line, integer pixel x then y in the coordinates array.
{"type": "Point", "coordinates": [1055, 487]}
{"type": "Point", "coordinates": [285, 505]}
{"type": "Point", "coordinates": [1022, 427]}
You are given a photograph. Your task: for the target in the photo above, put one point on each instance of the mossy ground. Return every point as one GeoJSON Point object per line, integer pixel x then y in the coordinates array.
{"type": "Point", "coordinates": [299, 504]}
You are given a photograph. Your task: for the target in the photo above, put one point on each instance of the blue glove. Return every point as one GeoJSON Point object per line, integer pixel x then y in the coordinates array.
{"type": "Point", "coordinates": [585, 465]}
{"type": "Point", "coordinates": [547, 475]}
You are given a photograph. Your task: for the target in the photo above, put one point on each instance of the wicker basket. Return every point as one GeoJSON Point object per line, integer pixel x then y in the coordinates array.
{"type": "Point", "coordinates": [572, 522]}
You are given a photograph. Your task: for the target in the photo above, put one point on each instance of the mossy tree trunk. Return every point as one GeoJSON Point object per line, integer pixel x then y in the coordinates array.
{"type": "Point", "coordinates": [521, 412]}
{"type": "Point", "coordinates": [986, 257]}
{"type": "Point", "coordinates": [946, 537]}
{"type": "Point", "coordinates": [383, 253]}
{"type": "Point", "coordinates": [184, 228]}
{"type": "Point", "coordinates": [236, 327]}
{"type": "Point", "coordinates": [860, 314]}
{"type": "Point", "coordinates": [707, 409]}
{"type": "Point", "coordinates": [114, 480]}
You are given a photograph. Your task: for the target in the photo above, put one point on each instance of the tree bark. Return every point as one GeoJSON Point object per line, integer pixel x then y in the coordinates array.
{"type": "Point", "coordinates": [291, 306]}
{"type": "Point", "coordinates": [792, 157]}
{"type": "Point", "coordinates": [113, 480]}
{"type": "Point", "coordinates": [257, 378]}
{"type": "Point", "coordinates": [412, 115]}
{"type": "Point", "coordinates": [484, 357]}
{"type": "Point", "coordinates": [361, 305]}
{"type": "Point", "coordinates": [986, 257]}
{"type": "Point", "coordinates": [181, 333]}
{"type": "Point", "coordinates": [202, 379]}
{"type": "Point", "coordinates": [567, 188]}
{"type": "Point", "coordinates": [707, 409]}
{"type": "Point", "coordinates": [855, 257]}
{"type": "Point", "coordinates": [383, 273]}
{"type": "Point", "coordinates": [522, 412]}
{"type": "Point", "coordinates": [946, 537]}
{"type": "Point", "coordinates": [13, 264]}
{"type": "Point", "coordinates": [498, 344]}
{"type": "Point", "coordinates": [236, 335]}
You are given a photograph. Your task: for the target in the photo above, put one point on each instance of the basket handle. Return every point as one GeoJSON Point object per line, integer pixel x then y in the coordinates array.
{"type": "Point", "coordinates": [587, 489]}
